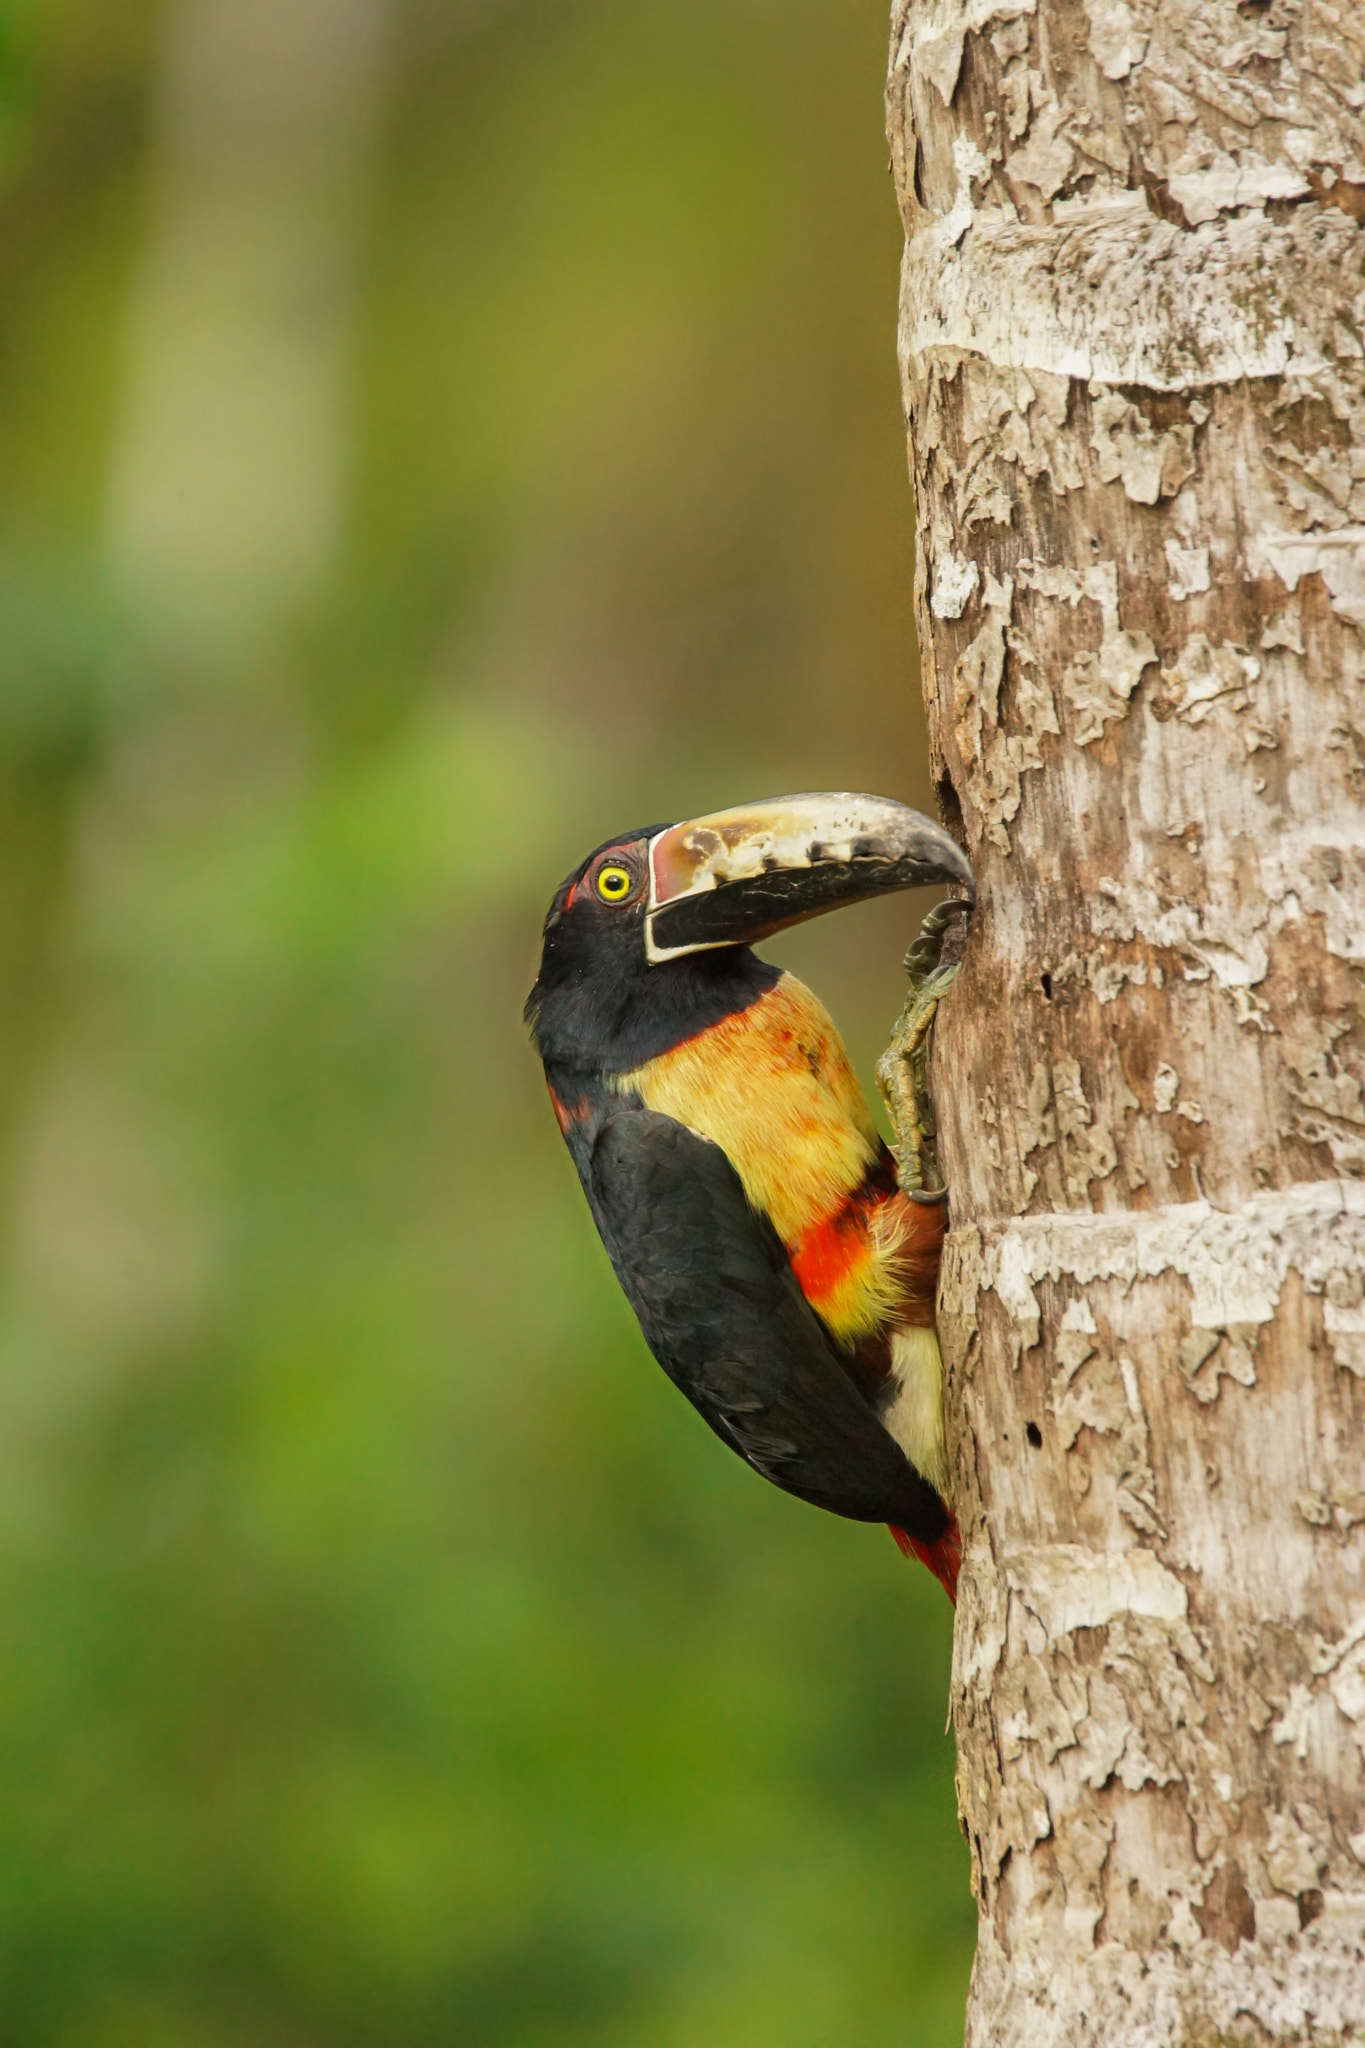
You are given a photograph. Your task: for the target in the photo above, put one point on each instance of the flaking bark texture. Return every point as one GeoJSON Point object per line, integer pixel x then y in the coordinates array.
{"type": "Point", "coordinates": [1133, 343]}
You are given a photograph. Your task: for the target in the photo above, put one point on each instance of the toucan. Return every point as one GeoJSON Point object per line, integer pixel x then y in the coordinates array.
{"type": "Point", "coordinates": [745, 1198]}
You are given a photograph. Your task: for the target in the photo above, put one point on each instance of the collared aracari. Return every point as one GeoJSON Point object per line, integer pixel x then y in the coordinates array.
{"type": "Point", "coordinates": [749, 1207]}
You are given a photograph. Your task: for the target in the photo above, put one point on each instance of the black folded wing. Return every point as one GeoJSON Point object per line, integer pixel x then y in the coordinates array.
{"type": "Point", "coordinates": [721, 1310]}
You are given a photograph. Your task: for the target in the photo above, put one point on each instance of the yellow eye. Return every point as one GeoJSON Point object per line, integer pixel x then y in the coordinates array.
{"type": "Point", "coordinates": [615, 884]}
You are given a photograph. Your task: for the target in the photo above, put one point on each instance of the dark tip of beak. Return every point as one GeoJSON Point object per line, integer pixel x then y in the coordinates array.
{"type": "Point", "coordinates": [743, 883]}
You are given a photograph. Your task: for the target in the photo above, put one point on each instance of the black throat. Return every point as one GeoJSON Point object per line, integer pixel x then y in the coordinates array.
{"type": "Point", "coordinates": [600, 1010]}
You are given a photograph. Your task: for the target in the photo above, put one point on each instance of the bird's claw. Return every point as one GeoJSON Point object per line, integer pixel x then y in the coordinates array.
{"type": "Point", "coordinates": [902, 1069]}
{"type": "Point", "coordinates": [926, 950]}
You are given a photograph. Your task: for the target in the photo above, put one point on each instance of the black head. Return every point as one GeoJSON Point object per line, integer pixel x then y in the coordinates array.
{"type": "Point", "coordinates": [647, 942]}
{"type": "Point", "coordinates": [600, 1005]}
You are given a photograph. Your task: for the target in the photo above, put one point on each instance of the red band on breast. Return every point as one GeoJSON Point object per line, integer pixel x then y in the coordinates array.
{"type": "Point", "coordinates": [829, 1251]}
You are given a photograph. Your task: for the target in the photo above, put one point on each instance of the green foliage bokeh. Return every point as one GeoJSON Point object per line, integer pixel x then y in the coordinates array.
{"type": "Point", "coordinates": [387, 1656]}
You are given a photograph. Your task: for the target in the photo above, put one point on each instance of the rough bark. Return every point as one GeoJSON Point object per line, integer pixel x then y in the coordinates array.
{"type": "Point", "coordinates": [1133, 342]}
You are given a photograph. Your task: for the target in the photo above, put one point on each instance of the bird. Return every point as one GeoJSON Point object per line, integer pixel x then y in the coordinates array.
{"type": "Point", "coordinates": [748, 1204]}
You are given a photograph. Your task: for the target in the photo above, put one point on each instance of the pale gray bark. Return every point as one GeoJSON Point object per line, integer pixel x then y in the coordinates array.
{"type": "Point", "coordinates": [1133, 342]}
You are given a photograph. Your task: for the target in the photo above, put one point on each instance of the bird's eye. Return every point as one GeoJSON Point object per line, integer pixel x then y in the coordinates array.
{"type": "Point", "coordinates": [615, 884]}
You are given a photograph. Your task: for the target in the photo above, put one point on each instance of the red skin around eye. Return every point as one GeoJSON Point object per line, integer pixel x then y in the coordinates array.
{"type": "Point", "coordinates": [588, 888]}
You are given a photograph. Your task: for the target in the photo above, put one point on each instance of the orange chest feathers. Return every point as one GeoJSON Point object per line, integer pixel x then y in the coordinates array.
{"type": "Point", "coordinates": [773, 1088]}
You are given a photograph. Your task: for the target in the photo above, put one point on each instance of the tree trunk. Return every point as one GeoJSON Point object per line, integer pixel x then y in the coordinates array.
{"type": "Point", "coordinates": [1132, 337]}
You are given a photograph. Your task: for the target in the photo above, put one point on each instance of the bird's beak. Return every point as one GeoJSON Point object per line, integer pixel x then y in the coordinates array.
{"type": "Point", "coordinates": [741, 875]}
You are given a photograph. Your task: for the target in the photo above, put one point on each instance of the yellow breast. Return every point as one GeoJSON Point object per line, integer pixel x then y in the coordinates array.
{"type": "Point", "coordinates": [772, 1086]}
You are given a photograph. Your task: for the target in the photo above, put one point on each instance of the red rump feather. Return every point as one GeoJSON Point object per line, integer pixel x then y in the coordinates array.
{"type": "Point", "coordinates": [943, 1556]}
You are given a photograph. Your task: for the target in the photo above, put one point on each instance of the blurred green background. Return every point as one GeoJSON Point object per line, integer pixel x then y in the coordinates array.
{"type": "Point", "coordinates": [433, 434]}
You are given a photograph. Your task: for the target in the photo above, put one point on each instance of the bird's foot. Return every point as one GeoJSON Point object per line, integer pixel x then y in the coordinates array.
{"type": "Point", "coordinates": [921, 961]}
{"type": "Point", "coordinates": [902, 1070]}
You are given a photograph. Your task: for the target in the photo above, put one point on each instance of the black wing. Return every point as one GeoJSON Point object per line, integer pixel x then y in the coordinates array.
{"type": "Point", "coordinates": [721, 1310]}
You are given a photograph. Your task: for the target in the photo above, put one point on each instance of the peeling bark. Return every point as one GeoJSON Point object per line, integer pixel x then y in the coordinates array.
{"type": "Point", "coordinates": [1133, 349]}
